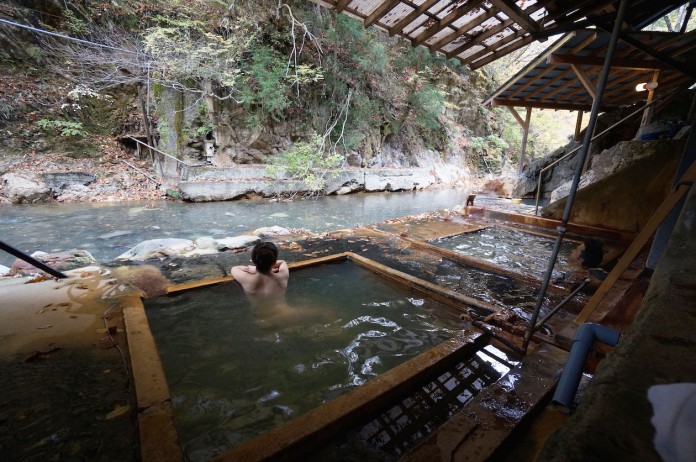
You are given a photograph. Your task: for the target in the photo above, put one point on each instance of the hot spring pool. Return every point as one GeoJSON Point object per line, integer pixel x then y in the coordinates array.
{"type": "Point", "coordinates": [517, 250]}
{"type": "Point", "coordinates": [235, 371]}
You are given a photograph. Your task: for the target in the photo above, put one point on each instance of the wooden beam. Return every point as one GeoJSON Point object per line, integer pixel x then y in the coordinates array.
{"type": "Point", "coordinates": [526, 40]}
{"type": "Point", "coordinates": [173, 289]}
{"type": "Point", "coordinates": [341, 5]}
{"type": "Point", "coordinates": [647, 113]}
{"type": "Point", "coordinates": [409, 18]}
{"type": "Point", "coordinates": [489, 33]}
{"type": "Point", "coordinates": [294, 439]}
{"type": "Point", "coordinates": [497, 46]}
{"type": "Point", "coordinates": [525, 135]}
{"type": "Point", "coordinates": [516, 115]}
{"type": "Point", "coordinates": [488, 14]}
{"type": "Point", "coordinates": [589, 39]}
{"type": "Point", "coordinates": [597, 61]}
{"type": "Point", "coordinates": [480, 38]}
{"type": "Point", "coordinates": [578, 126]}
{"type": "Point", "coordinates": [384, 8]}
{"type": "Point", "coordinates": [632, 252]}
{"type": "Point", "coordinates": [543, 105]}
{"type": "Point", "coordinates": [453, 15]}
{"type": "Point", "coordinates": [663, 57]}
{"type": "Point", "coordinates": [585, 80]}
{"type": "Point", "coordinates": [511, 9]}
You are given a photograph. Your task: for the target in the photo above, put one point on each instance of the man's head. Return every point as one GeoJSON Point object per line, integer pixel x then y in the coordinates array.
{"type": "Point", "coordinates": [264, 256]}
{"type": "Point", "coordinates": [590, 253]}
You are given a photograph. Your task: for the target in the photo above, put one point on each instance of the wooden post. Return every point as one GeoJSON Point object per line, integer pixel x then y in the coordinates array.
{"type": "Point", "coordinates": [647, 113]}
{"type": "Point", "coordinates": [578, 126]}
{"type": "Point", "coordinates": [523, 149]}
{"type": "Point", "coordinates": [525, 133]}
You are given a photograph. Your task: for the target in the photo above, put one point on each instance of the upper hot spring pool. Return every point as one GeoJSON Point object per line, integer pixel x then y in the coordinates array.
{"type": "Point", "coordinates": [236, 370]}
{"type": "Point", "coordinates": [524, 252]}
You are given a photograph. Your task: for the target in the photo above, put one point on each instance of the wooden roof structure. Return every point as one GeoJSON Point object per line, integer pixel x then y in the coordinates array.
{"type": "Point", "coordinates": [565, 75]}
{"type": "Point", "coordinates": [477, 32]}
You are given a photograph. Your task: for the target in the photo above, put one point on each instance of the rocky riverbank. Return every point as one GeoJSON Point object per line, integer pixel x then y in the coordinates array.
{"type": "Point", "coordinates": [38, 178]}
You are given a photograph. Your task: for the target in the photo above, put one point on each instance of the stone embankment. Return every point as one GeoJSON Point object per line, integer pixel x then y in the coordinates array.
{"type": "Point", "coordinates": [119, 176]}
{"type": "Point", "coordinates": [203, 184]}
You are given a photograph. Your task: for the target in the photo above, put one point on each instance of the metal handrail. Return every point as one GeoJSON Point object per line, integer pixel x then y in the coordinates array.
{"type": "Point", "coordinates": [161, 152]}
{"type": "Point", "coordinates": [31, 260]}
{"type": "Point", "coordinates": [541, 172]}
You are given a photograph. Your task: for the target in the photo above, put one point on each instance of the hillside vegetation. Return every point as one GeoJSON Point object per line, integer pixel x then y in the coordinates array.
{"type": "Point", "coordinates": [270, 82]}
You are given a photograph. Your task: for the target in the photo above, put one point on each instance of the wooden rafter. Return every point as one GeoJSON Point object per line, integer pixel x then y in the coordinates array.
{"type": "Point", "coordinates": [380, 11]}
{"type": "Point", "coordinates": [341, 5]}
{"type": "Point", "coordinates": [526, 40]}
{"type": "Point", "coordinates": [585, 80]}
{"type": "Point", "coordinates": [485, 16]}
{"type": "Point", "coordinates": [455, 14]}
{"type": "Point", "coordinates": [409, 18]}
{"type": "Point", "coordinates": [596, 61]}
{"type": "Point", "coordinates": [542, 105]}
{"type": "Point", "coordinates": [501, 43]}
{"type": "Point", "coordinates": [489, 33]}
{"type": "Point", "coordinates": [648, 50]}
{"type": "Point", "coordinates": [511, 9]}
{"type": "Point", "coordinates": [580, 46]}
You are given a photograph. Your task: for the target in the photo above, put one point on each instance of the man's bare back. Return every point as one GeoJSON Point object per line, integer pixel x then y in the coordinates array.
{"type": "Point", "coordinates": [260, 284]}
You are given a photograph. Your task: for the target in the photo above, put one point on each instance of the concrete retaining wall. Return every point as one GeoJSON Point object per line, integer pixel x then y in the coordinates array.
{"type": "Point", "coordinates": [203, 184]}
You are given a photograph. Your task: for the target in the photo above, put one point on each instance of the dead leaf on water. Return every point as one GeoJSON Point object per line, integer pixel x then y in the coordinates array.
{"type": "Point", "coordinates": [118, 411]}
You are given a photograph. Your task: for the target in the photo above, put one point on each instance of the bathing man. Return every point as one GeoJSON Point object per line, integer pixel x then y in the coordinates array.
{"type": "Point", "coordinates": [268, 277]}
{"type": "Point", "coordinates": [589, 255]}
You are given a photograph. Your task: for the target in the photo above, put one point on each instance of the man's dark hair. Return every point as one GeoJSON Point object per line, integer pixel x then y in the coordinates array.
{"type": "Point", "coordinates": [593, 254]}
{"type": "Point", "coordinates": [264, 256]}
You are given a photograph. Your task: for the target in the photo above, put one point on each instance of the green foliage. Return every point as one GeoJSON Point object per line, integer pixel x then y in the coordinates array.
{"type": "Point", "coordinates": [263, 83]}
{"type": "Point", "coordinates": [184, 50]}
{"type": "Point", "coordinates": [74, 25]}
{"type": "Point", "coordinates": [427, 104]}
{"type": "Point", "coordinates": [305, 161]}
{"type": "Point", "coordinates": [64, 127]}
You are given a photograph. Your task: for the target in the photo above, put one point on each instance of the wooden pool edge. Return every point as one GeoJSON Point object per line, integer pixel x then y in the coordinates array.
{"type": "Point", "coordinates": [442, 294]}
{"type": "Point", "coordinates": [157, 430]}
{"type": "Point", "coordinates": [299, 436]}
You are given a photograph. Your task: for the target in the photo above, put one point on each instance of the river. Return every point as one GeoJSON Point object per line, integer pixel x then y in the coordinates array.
{"type": "Point", "coordinates": [107, 230]}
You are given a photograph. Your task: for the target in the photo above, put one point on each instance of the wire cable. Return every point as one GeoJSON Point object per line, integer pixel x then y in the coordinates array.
{"type": "Point", "coordinates": [66, 37]}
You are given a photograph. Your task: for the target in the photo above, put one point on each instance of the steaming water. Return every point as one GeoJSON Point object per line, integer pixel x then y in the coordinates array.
{"type": "Point", "coordinates": [108, 229]}
{"type": "Point", "coordinates": [236, 371]}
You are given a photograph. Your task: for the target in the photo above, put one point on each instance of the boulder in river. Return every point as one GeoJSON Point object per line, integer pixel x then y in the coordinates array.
{"type": "Point", "coordinates": [236, 242]}
{"type": "Point", "coordinates": [25, 188]}
{"type": "Point", "coordinates": [158, 248]}
{"type": "Point", "coordinates": [271, 231]}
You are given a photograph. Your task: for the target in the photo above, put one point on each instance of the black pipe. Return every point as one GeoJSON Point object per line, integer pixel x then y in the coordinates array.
{"type": "Point", "coordinates": [578, 172]}
{"type": "Point", "coordinates": [33, 261]}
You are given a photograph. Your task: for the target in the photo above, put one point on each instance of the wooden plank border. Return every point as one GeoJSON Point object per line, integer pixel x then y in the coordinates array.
{"type": "Point", "coordinates": [292, 439]}
{"type": "Point", "coordinates": [158, 435]}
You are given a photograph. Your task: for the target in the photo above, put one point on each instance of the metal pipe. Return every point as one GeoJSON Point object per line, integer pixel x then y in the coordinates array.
{"type": "Point", "coordinates": [578, 171]}
{"type": "Point", "coordinates": [161, 152]}
{"type": "Point", "coordinates": [31, 260]}
{"type": "Point", "coordinates": [585, 337]}
{"type": "Point", "coordinates": [560, 305]}
{"type": "Point", "coordinates": [574, 150]}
